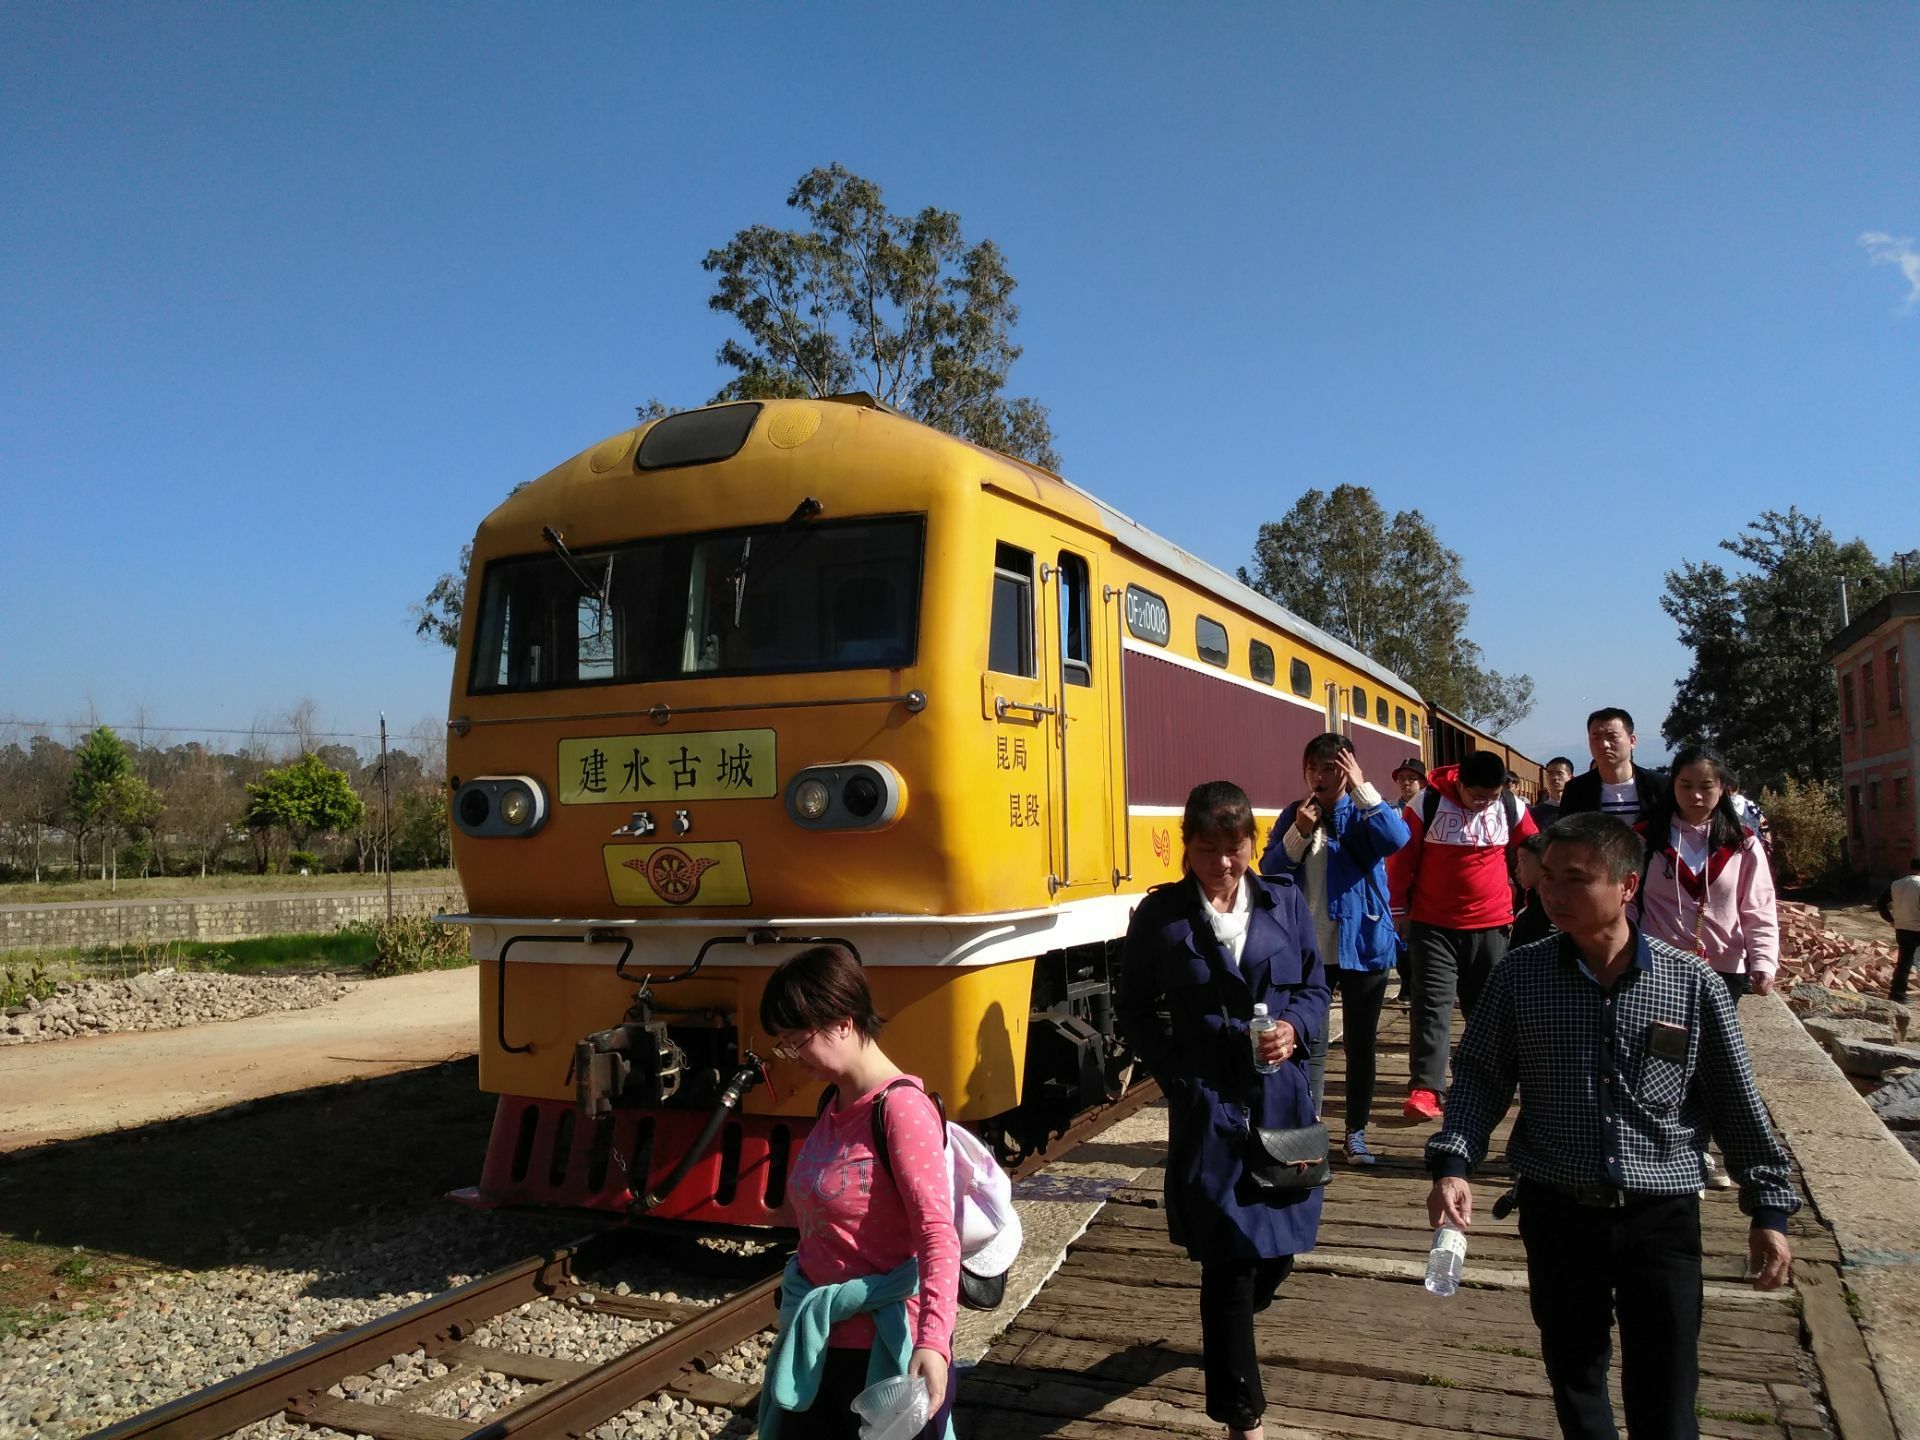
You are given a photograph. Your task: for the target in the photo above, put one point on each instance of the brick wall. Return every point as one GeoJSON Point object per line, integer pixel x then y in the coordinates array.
{"type": "Point", "coordinates": [1879, 677]}
{"type": "Point", "coordinates": [88, 923]}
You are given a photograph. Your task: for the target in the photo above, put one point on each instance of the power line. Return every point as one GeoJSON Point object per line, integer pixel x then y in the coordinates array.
{"type": "Point", "coordinates": [11, 721]}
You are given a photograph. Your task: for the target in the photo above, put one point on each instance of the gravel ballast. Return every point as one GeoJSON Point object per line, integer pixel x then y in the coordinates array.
{"type": "Point", "coordinates": [162, 1000]}
{"type": "Point", "coordinates": [169, 1335]}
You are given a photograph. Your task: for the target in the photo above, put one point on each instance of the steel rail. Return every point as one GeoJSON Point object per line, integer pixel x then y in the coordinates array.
{"type": "Point", "coordinates": [266, 1390]}
{"type": "Point", "coordinates": [569, 1408]}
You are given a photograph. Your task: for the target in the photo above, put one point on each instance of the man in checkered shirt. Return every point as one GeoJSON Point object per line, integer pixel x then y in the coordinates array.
{"type": "Point", "coordinates": [1627, 1056]}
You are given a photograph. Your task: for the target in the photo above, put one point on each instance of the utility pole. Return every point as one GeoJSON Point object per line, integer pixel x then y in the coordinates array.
{"type": "Point", "coordinates": [386, 816]}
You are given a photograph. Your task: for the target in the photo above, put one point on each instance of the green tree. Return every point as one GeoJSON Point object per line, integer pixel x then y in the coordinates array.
{"type": "Point", "coordinates": [1759, 689]}
{"type": "Point", "coordinates": [1389, 588]}
{"type": "Point", "coordinates": [105, 798]}
{"type": "Point", "coordinates": [305, 798]}
{"type": "Point", "coordinates": [863, 299]}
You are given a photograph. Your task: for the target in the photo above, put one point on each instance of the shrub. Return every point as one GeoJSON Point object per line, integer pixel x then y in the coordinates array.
{"type": "Point", "coordinates": [301, 860]}
{"type": "Point", "coordinates": [409, 943]}
{"type": "Point", "coordinates": [17, 985]}
{"type": "Point", "coordinates": [1809, 830]}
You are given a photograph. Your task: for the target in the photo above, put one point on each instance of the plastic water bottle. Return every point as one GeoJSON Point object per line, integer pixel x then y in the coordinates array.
{"type": "Point", "coordinates": [1444, 1261]}
{"type": "Point", "coordinates": [1260, 1025]}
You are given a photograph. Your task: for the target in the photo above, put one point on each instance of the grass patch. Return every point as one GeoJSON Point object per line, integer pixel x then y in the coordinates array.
{"type": "Point", "coordinates": [1441, 1381]}
{"type": "Point", "coordinates": [1736, 1417]}
{"type": "Point", "coordinates": [41, 1283]}
{"type": "Point", "coordinates": [1520, 1350]}
{"type": "Point", "coordinates": [1854, 1307]}
{"type": "Point", "coordinates": [346, 949]}
{"type": "Point", "coordinates": [192, 887]}
{"type": "Point", "coordinates": [407, 944]}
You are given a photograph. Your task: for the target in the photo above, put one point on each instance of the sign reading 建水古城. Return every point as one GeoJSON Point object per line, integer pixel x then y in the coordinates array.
{"type": "Point", "coordinates": [700, 765]}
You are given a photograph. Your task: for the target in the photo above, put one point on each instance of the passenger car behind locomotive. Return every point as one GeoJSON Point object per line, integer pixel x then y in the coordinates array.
{"type": "Point", "coordinates": [751, 676]}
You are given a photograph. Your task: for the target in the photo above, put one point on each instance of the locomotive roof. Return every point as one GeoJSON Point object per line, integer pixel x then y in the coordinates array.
{"type": "Point", "coordinates": [1135, 537]}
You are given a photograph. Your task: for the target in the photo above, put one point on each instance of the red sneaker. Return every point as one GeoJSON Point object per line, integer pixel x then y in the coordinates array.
{"type": "Point", "coordinates": [1422, 1105]}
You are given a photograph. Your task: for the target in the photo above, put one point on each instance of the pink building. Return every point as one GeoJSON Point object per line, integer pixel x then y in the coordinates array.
{"type": "Point", "coordinates": [1876, 661]}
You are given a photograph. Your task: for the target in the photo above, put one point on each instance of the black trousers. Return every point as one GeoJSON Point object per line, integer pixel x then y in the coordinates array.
{"type": "Point", "coordinates": [1362, 993]}
{"type": "Point", "coordinates": [831, 1416]}
{"type": "Point", "coordinates": [1641, 1261]}
{"type": "Point", "coordinates": [1908, 942]}
{"type": "Point", "coordinates": [1232, 1292]}
{"type": "Point", "coordinates": [1737, 985]}
{"type": "Point", "coordinates": [1445, 963]}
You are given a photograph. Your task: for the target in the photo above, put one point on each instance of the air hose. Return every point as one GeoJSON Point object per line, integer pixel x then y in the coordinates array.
{"type": "Point", "coordinates": [744, 1079]}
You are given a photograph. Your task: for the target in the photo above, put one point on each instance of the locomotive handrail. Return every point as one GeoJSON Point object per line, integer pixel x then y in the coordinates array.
{"type": "Point", "coordinates": [1001, 705]}
{"type": "Point", "coordinates": [1108, 593]}
{"type": "Point", "coordinates": [914, 700]}
{"type": "Point", "coordinates": [752, 937]}
{"type": "Point", "coordinates": [500, 961]}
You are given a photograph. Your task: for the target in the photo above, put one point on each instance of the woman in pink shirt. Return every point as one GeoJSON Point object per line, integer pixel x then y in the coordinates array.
{"type": "Point", "coordinates": [1707, 888]}
{"type": "Point", "coordinates": [876, 1275]}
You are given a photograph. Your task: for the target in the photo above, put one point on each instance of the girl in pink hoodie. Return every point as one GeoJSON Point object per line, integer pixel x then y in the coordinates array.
{"type": "Point", "coordinates": [1707, 889]}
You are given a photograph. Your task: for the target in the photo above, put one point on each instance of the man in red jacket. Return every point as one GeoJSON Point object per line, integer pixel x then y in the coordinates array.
{"type": "Point", "coordinates": [1452, 900]}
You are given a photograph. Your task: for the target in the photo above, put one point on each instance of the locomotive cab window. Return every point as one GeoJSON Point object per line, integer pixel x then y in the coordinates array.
{"type": "Point", "coordinates": [1210, 638]}
{"type": "Point", "coordinates": [1300, 677]}
{"type": "Point", "coordinates": [832, 595]}
{"type": "Point", "coordinates": [1010, 629]}
{"type": "Point", "coordinates": [1076, 622]}
{"type": "Point", "coordinates": [1260, 661]}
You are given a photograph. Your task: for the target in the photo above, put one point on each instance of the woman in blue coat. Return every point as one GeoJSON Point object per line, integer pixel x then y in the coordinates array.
{"type": "Point", "coordinates": [1200, 953]}
{"type": "Point", "coordinates": [1333, 844]}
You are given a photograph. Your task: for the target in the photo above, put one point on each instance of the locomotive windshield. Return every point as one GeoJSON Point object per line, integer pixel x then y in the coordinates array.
{"type": "Point", "coordinates": [828, 595]}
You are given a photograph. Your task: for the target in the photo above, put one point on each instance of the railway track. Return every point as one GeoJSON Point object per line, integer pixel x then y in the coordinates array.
{"type": "Point", "coordinates": [569, 1398]}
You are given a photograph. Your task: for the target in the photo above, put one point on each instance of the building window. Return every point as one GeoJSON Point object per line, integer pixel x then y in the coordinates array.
{"type": "Point", "coordinates": [1868, 714]}
{"type": "Point", "coordinates": [1400, 718]}
{"type": "Point", "coordinates": [1853, 809]}
{"type": "Point", "coordinates": [1359, 703]}
{"type": "Point", "coordinates": [1893, 680]}
{"type": "Point", "coordinates": [1076, 625]}
{"type": "Point", "coordinates": [1899, 792]}
{"type": "Point", "coordinates": [1846, 702]}
{"type": "Point", "coordinates": [1210, 638]}
{"type": "Point", "coordinates": [1873, 795]}
{"type": "Point", "coordinates": [1300, 676]}
{"type": "Point", "coordinates": [1260, 661]}
{"type": "Point", "coordinates": [1010, 630]}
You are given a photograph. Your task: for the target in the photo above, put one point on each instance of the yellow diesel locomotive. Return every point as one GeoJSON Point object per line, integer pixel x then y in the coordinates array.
{"type": "Point", "coordinates": [752, 676]}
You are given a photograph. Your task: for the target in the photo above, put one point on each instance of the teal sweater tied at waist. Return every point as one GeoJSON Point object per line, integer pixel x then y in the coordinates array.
{"type": "Point", "coordinates": [808, 1314]}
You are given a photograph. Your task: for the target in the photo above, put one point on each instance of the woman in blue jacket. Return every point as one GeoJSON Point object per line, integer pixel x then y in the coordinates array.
{"type": "Point", "coordinates": [1200, 953]}
{"type": "Point", "coordinates": [1333, 844]}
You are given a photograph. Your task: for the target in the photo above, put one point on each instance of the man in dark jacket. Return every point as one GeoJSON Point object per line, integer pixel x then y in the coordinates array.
{"type": "Point", "coordinates": [1615, 785]}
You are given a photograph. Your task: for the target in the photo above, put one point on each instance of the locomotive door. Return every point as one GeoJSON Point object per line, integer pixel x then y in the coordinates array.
{"type": "Point", "coordinates": [1078, 686]}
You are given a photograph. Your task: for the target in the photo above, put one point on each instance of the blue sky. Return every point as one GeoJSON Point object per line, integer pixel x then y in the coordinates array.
{"type": "Point", "coordinates": [291, 296]}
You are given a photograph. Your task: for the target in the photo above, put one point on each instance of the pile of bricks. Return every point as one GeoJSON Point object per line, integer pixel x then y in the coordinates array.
{"type": "Point", "coordinates": [1810, 952]}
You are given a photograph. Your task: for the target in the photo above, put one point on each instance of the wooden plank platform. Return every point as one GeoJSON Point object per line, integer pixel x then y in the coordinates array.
{"type": "Point", "coordinates": [1354, 1345]}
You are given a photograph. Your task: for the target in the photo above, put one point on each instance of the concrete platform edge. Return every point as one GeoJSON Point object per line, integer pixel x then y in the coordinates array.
{"type": "Point", "coordinates": [1862, 1317]}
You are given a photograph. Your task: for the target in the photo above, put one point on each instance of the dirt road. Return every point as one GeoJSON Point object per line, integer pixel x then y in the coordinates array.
{"type": "Point", "coordinates": [60, 1090]}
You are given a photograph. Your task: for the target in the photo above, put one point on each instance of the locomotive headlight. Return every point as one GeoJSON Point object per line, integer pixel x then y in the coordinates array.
{"type": "Point", "coordinates": [494, 806]}
{"type": "Point", "coordinates": [810, 799]}
{"type": "Point", "coordinates": [860, 795]}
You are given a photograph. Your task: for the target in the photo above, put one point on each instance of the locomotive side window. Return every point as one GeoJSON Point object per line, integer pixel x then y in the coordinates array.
{"type": "Point", "coordinates": [1210, 638]}
{"type": "Point", "coordinates": [1076, 625]}
{"type": "Point", "coordinates": [1260, 661]}
{"type": "Point", "coordinates": [1359, 703]}
{"type": "Point", "coordinates": [1380, 710]}
{"type": "Point", "coordinates": [832, 595]}
{"type": "Point", "coordinates": [1010, 631]}
{"type": "Point", "coordinates": [1300, 676]}
{"type": "Point", "coordinates": [1400, 718]}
